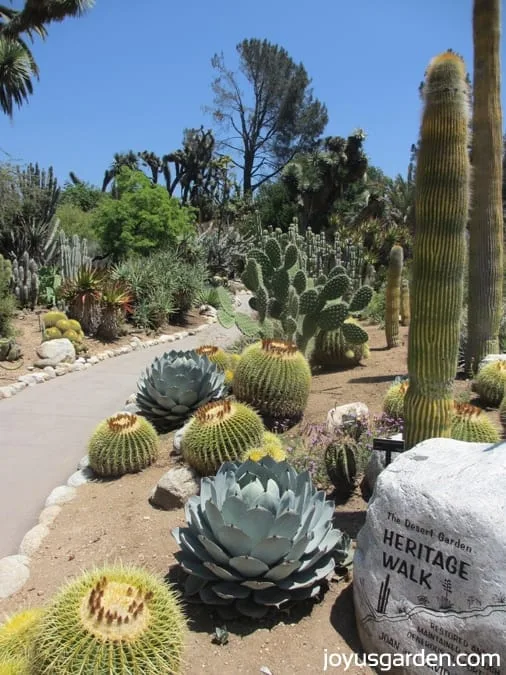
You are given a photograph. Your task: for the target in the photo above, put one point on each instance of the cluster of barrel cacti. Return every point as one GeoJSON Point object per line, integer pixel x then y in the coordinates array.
{"type": "Point", "coordinates": [57, 325]}
{"type": "Point", "coordinates": [25, 281]}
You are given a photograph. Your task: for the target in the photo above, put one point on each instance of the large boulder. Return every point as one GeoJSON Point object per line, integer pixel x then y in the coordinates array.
{"type": "Point", "coordinates": [429, 569]}
{"type": "Point", "coordinates": [53, 352]}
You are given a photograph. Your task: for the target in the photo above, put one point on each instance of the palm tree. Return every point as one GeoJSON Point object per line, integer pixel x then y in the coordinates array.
{"type": "Point", "coordinates": [17, 65]}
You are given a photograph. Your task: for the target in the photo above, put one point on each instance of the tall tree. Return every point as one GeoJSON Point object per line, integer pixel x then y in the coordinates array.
{"type": "Point", "coordinates": [129, 159]}
{"type": "Point", "coordinates": [17, 64]}
{"type": "Point", "coordinates": [277, 119]}
{"type": "Point", "coordinates": [486, 222]}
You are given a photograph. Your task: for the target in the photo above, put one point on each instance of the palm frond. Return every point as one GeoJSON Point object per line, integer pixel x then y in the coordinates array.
{"type": "Point", "coordinates": [17, 68]}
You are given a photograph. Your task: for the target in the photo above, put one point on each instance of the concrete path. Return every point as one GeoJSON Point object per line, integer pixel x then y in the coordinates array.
{"type": "Point", "coordinates": [44, 429]}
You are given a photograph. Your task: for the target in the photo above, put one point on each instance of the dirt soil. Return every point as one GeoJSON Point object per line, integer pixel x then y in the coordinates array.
{"type": "Point", "coordinates": [27, 327]}
{"type": "Point", "coordinates": [113, 521]}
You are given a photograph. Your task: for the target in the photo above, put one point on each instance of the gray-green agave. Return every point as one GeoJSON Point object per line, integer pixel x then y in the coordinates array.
{"type": "Point", "coordinates": [258, 536]}
{"type": "Point", "coordinates": [175, 385]}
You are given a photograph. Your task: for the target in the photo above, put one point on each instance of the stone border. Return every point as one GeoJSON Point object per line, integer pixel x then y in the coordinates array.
{"type": "Point", "coordinates": [83, 363]}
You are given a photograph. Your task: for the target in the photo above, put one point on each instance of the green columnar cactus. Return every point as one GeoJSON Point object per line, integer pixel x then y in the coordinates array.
{"type": "Point", "coordinates": [490, 383]}
{"type": "Point", "coordinates": [25, 281]}
{"type": "Point", "coordinates": [405, 308]}
{"type": "Point", "coordinates": [275, 378]}
{"type": "Point", "coordinates": [114, 620]}
{"type": "Point", "coordinates": [393, 296]}
{"type": "Point", "coordinates": [123, 443]}
{"type": "Point", "coordinates": [472, 425]}
{"type": "Point", "coordinates": [486, 223]}
{"type": "Point", "coordinates": [441, 208]}
{"type": "Point", "coordinates": [73, 255]}
{"type": "Point", "coordinates": [222, 431]}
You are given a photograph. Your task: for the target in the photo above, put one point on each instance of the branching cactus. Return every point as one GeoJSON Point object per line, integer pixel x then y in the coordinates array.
{"type": "Point", "coordinates": [73, 255]}
{"type": "Point", "coordinates": [393, 296]}
{"type": "Point", "coordinates": [25, 280]}
{"type": "Point", "coordinates": [441, 208]}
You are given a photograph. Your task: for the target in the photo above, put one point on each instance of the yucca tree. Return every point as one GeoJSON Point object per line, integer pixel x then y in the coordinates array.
{"type": "Point", "coordinates": [17, 65]}
{"type": "Point", "coordinates": [129, 159]}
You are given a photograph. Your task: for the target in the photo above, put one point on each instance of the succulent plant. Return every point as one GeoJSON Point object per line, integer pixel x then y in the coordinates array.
{"type": "Point", "coordinates": [72, 335]}
{"type": "Point", "coordinates": [342, 465]}
{"type": "Point", "coordinates": [274, 378]}
{"type": "Point", "coordinates": [75, 325]}
{"type": "Point", "coordinates": [502, 414]}
{"type": "Point", "coordinates": [16, 634]}
{"type": "Point", "coordinates": [9, 349]}
{"type": "Point", "coordinates": [258, 536]}
{"type": "Point", "coordinates": [123, 443]}
{"type": "Point", "coordinates": [52, 333]}
{"type": "Point", "coordinates": [490, 383]}
{"type": "Point", "coordinates": [333, 350]}
{"type": "Point", "coordinates": [113, 620]}
{"type": "Point", "coordinates": [393, 296]}
{"type": "Point", "coordinates": [50, 319]}
{"type": "Point", "coordinates": [25, 280]}
{"type": "Point", "coordinates": [214, 354]}
{"type": "Point", "coordinates": [271, 447]}
{"type": "Point", "coordinates": [393, 403]}
{"type": "Point", "coordinates": [405, 307]}
{"type": "Point", "coordinates": [175, 385]}
{"type": "Point", "coordinates": [471, 424]}
{"type": "Point", "coordinates": [64, 325]}
{"type": "Point", "coordinates": [14, 667]}
{"type": "Point", "coordinates": [221, 431]}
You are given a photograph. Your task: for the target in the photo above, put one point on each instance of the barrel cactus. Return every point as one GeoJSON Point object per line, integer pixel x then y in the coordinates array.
{"type": "Point", "coordinates": [114, 620]}
{"type": "Point", "coordinates": [17, 632]}
{"type": "Point", "coordinates": [333, 349]}
{"type": "Point", "coordinates": [175, 385]}
{"type": "Point", "coordinates": [219, 432]}
{"type": "Point", "coordinates": [471, 424]}
{"type": "Point", "coordinates": [393, 403]}
{"type": "Point", "coordinates": [50, 319]}
{"type": "Point", "coordinates": [490, 383]}
{"type": "Point", "coordinates": [343, 462]}
{"type": "Point", "coordinates": [123, 443]}
{"type": "Point", "coordinates": [271, 447]}
{"type": "Point", "coordinates": [214, 354]}
{"type": "Point", "coordinates": [259, 536]}
{"type": "Point", "coordinates": [63, 325]}
{"type": "Point", "coordinates": [14, 667]}
{"type": "Point", "coordinates": [52, 333]}
{"type": "Point", "coordinates": [275, 378]}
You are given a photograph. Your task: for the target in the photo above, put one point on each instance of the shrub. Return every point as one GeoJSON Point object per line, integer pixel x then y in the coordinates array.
{"type": "Point", "coordinates": [7, 300]}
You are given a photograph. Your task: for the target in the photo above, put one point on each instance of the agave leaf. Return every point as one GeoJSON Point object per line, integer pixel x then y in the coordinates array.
{"type": "Point", "coordinates": [194, 567]}
{"type": "Point", "coordinates": [214, 550]}
{"type": "Point", "coordinates": [298, 548]}
{"type": "Point", "coordinates": [248, 566]}
{"type": "Point", "coordinates": [191, 544]}
{"type": "Point", "coordinates": [286, 502]}
{"type": "Point", "coordinates": [180, 410]}
{"type": "Point", "coordinates": [233, 511]}
{"type": "Point", "coordinates": [209, 597]}
{"type": "Point", "coordinates": [221, 572]}
{"type": "Point", "coordinates": [305, 593]}
{"type": "Point", "coordinates": [193, 585]}
{"type": "Point", "coordinates": [188, 398]}
{"type": "Point", "coordinates": [205, 491]}
{"type": "Point", "coordinates": [214, 517]}
{"type": "Point", "coordinates": [251, 492]}
{"type": "Point", "coordinates": [311, 561]}
{"type": "Point", "coordinates": [311, 576]}
{"type": "Point", "coordinates": [319, 504]}
{"type": "Point", "coordinates": [272, 549]}
{"type": "Point", "coordinates": [234, 540]}
{"type": "Point", "coordinates": [272, 597]}
{"type": "Point", "coordinates": [286, 525]}
{"type": "Point", "coordinates": [251, 609]}
{"type": "Point", "coordinates": [283, 570]}
{"type": "Point", "coordinates": [257, 523]}
{"type": "Point", "coordinates": [268, 502]}
{"type": "Point", "coordinates": [257, 584]}
{"type": "Point", "coordinates": [230, 591]}
{"type": "Point", "coordinates": [304, 528]}
{"type": "Point", "coordinates": [273, 490]}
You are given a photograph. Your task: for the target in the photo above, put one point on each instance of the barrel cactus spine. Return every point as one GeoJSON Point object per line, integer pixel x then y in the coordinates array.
{"type": "Point", "coordinates": [16, 633]}
{"type": "Point", "coordinates": [393, 296]}
{"type": "Point", "coordinates": [441, 213]}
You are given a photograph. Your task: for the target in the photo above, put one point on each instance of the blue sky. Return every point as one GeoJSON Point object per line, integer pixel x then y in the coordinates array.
{"type": "Point", "coordinates": [133, 75]}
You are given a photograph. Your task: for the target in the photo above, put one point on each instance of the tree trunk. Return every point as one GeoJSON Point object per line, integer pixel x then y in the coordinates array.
{"type": "Point", "coordinates": [486, 222]}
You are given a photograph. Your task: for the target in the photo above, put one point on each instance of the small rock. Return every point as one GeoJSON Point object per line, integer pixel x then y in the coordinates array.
{"type": "Point", "coordinates": [84, 463]}
{"type": "Point", "coordinates": [50, 372]}
{"type": "Point", "coordinates": [14, 573]}
{"type": "Point", "coordinates": [77, 366]}
{"type": "Point", "coordinates": [132, 398]}
{"type": "Point", "coordinates": [30, 380]}
{"type": "Point", "coordinates": [109, 354]}
{"type": "Point", "coordinates": [208, 310]}
{"type": "Point", "coordinates": [131, 408]}
{"type": "Point", "coordinates": [30, 367]}
{"type": "Point", "coordinates": [192, 332]}
{"type": "Point", "coordinates": [490, 358]}
{"type": "Point", "coordinates": [40, 377]}
{"type": "Point", "coordinates": [163, 338]}
{"type": "Point", "coordinates": [61, 495]}
{"type": "Point", "coordinates": [49, 514]}
{"type": "Point", "coordinates": [93, 360]}
{"type": "Point", "coordinates": [6, 392]}
{"type": "Point", "coordinates": [178, 437]}
{"type": "Point", "coordinates": [183, 334]}
{"type": "Point", "coordinates": [335, 417]}
{"type": "Point", "coordinates": [135, 345]}
{"type": "Point", "coordinates": [33, 539]}
{"type": "Point", "coordinates": [80, 477]}
{"type": "Point", "coordinates": [81, 359]}
{"type": "Point", "coordinates": [125, 350]}
{"type": "Point", "coordinates": [46, 363]}
{"type": "Point", "coordinates": [63, 369]}
{"type": "Point", "coordinates": [60, 350]}
{"type": "Point", "coordinates": [175, 487]}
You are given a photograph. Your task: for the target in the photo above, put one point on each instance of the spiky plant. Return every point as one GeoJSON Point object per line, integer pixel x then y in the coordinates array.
{"type": "Point", "coordinates": [64, 325]}
{"type": "Point", "coordinates": [50, 319]}
{"type": "Point", "coordinates": [405, 306]}
{"type": "Point", "coordinates": [502, 414]}
{"type": "Point", "coordinates": [393, 296]}
{"type": "Point", "coordinates": [393, 403]}
{"type": "Point", "coordinates": [214, 354]}
{"type": "Point", "coordinates": [271, 447]}
{"type": "Point", "coordinates": [342, 465]}
{"type": "Point", "coordinates": [72, 335]}
{"type": "Point", "coordinates": [471, 424]}
{"type": "Point", "coordinates": [441, 212]}
{"type": "Point", "coordinates": [219, 432]}
{"type": "Point", "coordinates": [333, 350]}
{"type": "Point", "coordinates": [490, 383]}
{"type": "Point", "coordinates": [114, 620]}
{"type": "Point", "coordinates": [14, 667]}
{"type": "Point", "coordinates": [259, 536]}
{"type": "Point", "coordinates": [175, 385]}
{"type": "Point", "coordinates": [123, 443]}
{"type": "Point", "coordinates": [275, 378]}
{"type": "Point", "coordinates": [52, 333]}
{"type": "Point", "coordinates": [83, 295]}
{"type": "Point", "coordinates": [16, 634]}
{"type": "Point", "coordinates": [115, 304]}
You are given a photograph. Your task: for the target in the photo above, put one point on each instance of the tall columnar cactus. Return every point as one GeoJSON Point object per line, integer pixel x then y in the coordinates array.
{"type": "Point", "coordinates": [73, 255]}
{"type": "Point", "coordinates": [486, 221]}
{"type": "Point", "coordinates": [441, 208]}
{"type": "Point", "coordinates": [25, 280]}
{"type": "Point", "coordinates": [393, 296]}
{"type": "Point", "coordinates": [405, 307]}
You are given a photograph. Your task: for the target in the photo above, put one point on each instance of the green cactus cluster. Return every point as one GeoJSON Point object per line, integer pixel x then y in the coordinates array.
{"type": "Point", "coordinates": [302, 306]}
{"type": "Point", "coordinates": [393, 296]}
{"type": "Point", "coordinates": [9, 349]}
{"type": "Point", "coordinates": [490, 383]}
{"type": "Point", "coordinates": [112, 620]}
{"type": "Point", "coordinates": [274, 377]}
{"type": "Point", "coordinates": [393, 403]}
{"type": "Point", "coordinates": [215, 354]}
{"type": "Point", "coordinates": [271, 447]}
{"type": "Point", "coordinates": [332, 349]}
{"type": "Point", "coordinates": [470, 424]}
{"type": "Point", "coordinates": [342, 462]}
{"type": "Point", "coordinates": [221, 431]}
{"type": "Point", "coordinates": [73, 252]}
{"type": "Point", "coordinates": [123, 443]}
{"type": "Point", "coordinates": [56, 325]}
{"type": "Point", "coordinates": [25, 280]}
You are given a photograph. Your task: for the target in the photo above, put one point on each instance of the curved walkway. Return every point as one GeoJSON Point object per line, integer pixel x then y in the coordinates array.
{"type": "Point", "coordinates": [44, 430]}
